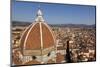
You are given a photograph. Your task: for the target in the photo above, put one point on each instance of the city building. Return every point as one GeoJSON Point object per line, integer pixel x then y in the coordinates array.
{"type": "Point", "coordinates": [37, 43]}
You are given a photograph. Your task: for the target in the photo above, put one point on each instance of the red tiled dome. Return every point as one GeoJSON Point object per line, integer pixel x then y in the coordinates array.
{"type": "Point", "coordinates": [36, 37]}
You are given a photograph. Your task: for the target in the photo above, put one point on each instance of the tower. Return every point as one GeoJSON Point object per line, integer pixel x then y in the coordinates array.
{"type": "Point", "coordinates": [38, 41]}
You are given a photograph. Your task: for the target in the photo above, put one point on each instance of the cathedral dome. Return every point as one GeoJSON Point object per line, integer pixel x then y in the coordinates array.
{"type": "Point", "coordinates": [38, 38]}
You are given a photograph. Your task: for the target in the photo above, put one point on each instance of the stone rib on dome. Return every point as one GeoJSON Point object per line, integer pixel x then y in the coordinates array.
{"type": "Point", "coordinates": [32, 40]}
{"type": "Point", "coordinates": [48, 40]}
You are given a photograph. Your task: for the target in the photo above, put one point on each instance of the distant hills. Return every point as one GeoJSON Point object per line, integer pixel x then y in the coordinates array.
{"type": "Point", "coordinates": [20, 23]}
{"type": "Point", "coordinates": [74, 25]}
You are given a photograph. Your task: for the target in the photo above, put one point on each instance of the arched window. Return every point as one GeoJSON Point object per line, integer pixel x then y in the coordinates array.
{"type": "Point", "coordinates": [49, 54]}
{"type": "Point", "coordinates": [33, 57]}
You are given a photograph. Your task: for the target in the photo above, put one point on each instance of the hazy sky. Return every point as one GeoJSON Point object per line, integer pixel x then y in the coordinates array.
{"type": "Point", "coordinates": [54, 13]}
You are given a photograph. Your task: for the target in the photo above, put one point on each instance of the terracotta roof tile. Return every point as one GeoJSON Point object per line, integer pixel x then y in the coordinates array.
{"type": "Point", "coordinates": [32, 62]}
{"type": "Point", "coordinates": [59, 58]}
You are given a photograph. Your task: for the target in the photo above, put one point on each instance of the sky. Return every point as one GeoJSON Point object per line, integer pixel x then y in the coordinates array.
{"type": "Point", "coordinates": [53, 13]}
